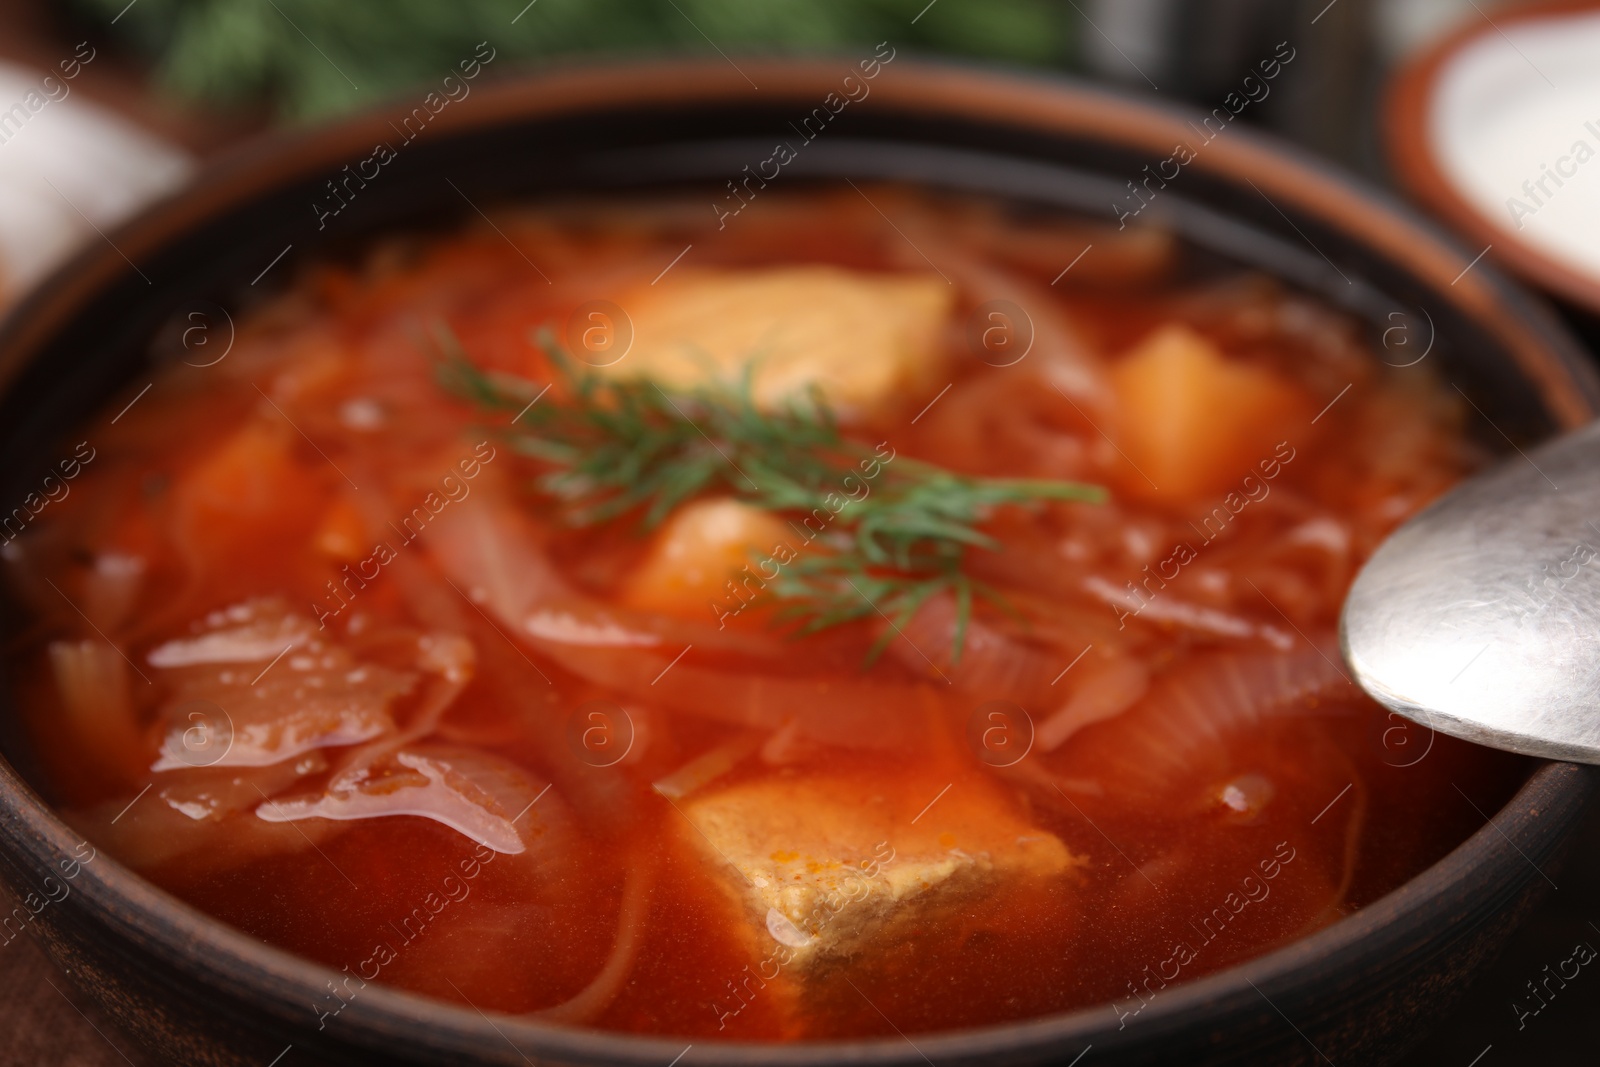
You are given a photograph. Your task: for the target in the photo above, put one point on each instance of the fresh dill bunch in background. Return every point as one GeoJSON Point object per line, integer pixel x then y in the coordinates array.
{"type": "Point", "coordinates": [313, 58]}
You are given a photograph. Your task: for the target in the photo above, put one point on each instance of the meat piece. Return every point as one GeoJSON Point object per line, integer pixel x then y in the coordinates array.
{"type": "Point", "coordinates": [825, 866]}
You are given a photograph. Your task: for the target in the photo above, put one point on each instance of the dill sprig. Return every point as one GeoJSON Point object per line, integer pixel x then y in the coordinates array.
{"type": "Point", "coordinates": [614, 447]}
{"type": "Point", "coordinates": [818, 592]}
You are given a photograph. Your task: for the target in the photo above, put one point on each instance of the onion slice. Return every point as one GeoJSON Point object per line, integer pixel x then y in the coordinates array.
{"type": "Point", "coordinates": [1190, 725]}
{"type": "Point", "coordinates": [595, 997]}
{"type": "Point", "coordinates": [92, 678]}
{"type": "Point", "coordinates": [706, 768]}
{"type": "Point", "coordinates": [1102, 691]}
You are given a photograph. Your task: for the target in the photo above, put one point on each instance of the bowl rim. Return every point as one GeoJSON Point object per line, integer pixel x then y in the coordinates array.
{"type": "Point", "coordinates": [1405, 130]}
{"type": "Point", "coordinates": [190, 941]}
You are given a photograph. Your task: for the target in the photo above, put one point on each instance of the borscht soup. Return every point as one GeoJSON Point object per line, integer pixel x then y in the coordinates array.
{"type": "Point", "coordinates": [878, 612]}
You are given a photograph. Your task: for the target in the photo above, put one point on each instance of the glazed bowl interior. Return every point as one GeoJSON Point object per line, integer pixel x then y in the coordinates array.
{"type": "Point", "coordinates": [87, 336]}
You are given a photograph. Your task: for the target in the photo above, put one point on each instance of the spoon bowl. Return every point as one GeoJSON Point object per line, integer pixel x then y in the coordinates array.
{"type": "Point", "coordinates": [1480, 617]}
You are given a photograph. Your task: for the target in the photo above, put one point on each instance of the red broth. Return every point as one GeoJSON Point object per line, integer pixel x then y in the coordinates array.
{"type": "Point", "coordinates": [374, 694]}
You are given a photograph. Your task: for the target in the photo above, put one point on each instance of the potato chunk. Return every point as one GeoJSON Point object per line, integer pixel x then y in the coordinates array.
{"type": "Point", "coordinates": [863, 339]}
{"type": "Point", "coordinates": [1194, 421]}
{"type": "Point", "coordinates": [825, 866]}
{"type": "Point", "coordinates": [694, 555]}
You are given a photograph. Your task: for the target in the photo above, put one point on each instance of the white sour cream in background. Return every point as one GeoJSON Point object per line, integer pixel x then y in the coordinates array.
{"type": "Point", "coordinates": [1515, 124]}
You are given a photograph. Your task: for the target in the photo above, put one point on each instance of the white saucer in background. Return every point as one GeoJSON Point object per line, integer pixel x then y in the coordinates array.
{"type": "Point", "coordinates": [67, 168]}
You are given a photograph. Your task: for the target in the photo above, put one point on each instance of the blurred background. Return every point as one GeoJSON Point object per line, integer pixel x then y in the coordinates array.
{"type": "Point", "coordinates": [207, 72]}
{"type": "Point", "coordinates": [200, 75]}
{"type": "Point", "coordinates": [160, 86]}
{"type": "Point", "coordinates": [193, 77]}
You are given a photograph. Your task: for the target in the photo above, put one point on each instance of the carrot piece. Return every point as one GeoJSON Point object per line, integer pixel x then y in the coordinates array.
{"type": "Point", "coordinates": [342, 533]}
{"type": "Point", "coordinates": [249, 490]}
{"type": "Point", "coordinates": [248, 475]}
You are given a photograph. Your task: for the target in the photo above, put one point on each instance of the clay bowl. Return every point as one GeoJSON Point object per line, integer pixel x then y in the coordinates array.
{"type": "Point", "coordinates": [198, 992]}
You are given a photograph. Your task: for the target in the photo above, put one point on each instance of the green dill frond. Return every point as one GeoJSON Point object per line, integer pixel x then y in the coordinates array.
{"type": "Point", "coordinates": [612, 448]}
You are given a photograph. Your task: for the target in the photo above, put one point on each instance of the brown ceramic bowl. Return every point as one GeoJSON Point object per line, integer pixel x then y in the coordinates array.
{"type": "Point", "coordinates": [198, 992]}
{"type": "Point", "coordinates": [1413, 151]}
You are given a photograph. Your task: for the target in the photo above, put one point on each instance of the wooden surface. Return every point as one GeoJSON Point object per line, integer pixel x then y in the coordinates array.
{"type": "Point", "coordinates": [48, 1023]}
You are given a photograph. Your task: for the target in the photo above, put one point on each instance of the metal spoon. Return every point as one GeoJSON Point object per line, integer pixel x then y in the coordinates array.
{"type": "Point", "coordinates": [1480, 617]}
